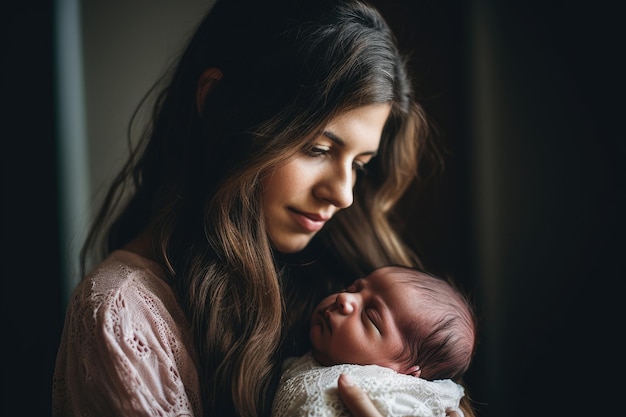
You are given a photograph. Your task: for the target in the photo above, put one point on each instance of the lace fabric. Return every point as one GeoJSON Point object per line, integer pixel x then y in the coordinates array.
{"type": "Point", "coordinates": [125, 348]}
{"type": "Point", "coordinates": [309, 389]}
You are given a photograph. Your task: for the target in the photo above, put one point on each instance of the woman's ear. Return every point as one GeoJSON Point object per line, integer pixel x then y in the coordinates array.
{"type": "Point", "coordinates": [207, 81]}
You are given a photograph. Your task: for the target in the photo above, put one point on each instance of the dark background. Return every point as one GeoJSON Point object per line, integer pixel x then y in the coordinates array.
{"type": "Point", "coordinates": [537, 238]}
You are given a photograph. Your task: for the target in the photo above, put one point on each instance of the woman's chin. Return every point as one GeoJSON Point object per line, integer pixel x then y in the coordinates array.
{"type": "Point", "coordinates": [292, 245]}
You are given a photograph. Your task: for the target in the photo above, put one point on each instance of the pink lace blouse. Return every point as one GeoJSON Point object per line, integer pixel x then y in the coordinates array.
{"type": "Point", "coordinates": [126, 348]}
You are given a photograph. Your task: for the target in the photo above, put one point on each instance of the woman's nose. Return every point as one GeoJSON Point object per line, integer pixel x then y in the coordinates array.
{"type": "Point", "coordinates": [346, 303]}
{"type": "Point", "coordinates": [337, 187]}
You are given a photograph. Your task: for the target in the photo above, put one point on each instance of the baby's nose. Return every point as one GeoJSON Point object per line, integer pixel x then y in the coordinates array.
{"type": "Point", "coordinates": [345, 302]}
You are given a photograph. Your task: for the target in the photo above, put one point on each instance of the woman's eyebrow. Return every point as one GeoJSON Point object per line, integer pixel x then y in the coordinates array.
{"type": "Point", "coordinates": [340, 142]}
{"type": "Point", "coordinates": [330, 135]}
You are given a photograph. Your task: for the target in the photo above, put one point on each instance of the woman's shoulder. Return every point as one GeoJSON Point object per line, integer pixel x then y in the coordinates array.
{"type": "Point", "coordinates": [125, 281]}
{"type": "Point", "coordinates": [125, 336]}
{"type": "Point", "coordinates": [127, 294]}
{"type": "Point", "coordinates": [123, 268]}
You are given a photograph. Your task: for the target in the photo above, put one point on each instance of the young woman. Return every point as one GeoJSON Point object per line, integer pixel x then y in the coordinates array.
{"type": "Point", "coordinates": [275, 153]}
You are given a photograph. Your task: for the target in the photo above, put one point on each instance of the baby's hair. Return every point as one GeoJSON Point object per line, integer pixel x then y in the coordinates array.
{"type": "Point", "coordinates": [442, 340]}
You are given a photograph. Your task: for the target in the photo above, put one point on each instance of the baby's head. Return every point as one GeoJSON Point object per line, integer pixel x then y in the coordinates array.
{"type": "Point", "coordinates": [400, 318]}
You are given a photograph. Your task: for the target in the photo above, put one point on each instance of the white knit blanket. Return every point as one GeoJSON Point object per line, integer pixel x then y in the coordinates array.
{"type": "Point", "coordinates": [309, 389]}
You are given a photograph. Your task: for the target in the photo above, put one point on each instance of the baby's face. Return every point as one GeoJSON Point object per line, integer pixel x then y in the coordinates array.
{"type": "Point", "coordinates": [358, 326]}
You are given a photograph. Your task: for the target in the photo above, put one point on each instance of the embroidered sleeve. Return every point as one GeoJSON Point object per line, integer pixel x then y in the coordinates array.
{"type": "Point", "coordinates": [122, 355]}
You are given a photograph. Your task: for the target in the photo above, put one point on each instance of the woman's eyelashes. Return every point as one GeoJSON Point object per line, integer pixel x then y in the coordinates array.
{"type": "Point", "coordinates": [318, 151]}
{"type": "Point", "coordinates": [359, 166]}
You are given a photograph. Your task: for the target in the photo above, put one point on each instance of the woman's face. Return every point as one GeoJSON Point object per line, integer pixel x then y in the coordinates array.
{"type": "Point", "coordinates": [301, 195]}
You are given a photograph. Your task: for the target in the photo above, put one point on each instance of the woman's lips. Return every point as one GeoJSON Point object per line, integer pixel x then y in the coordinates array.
{"type": "Point", "coordinates": [310, 222]}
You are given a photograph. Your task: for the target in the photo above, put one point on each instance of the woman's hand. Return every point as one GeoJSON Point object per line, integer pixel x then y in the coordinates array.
{"type": "Point", "coordinates": [357, 401]}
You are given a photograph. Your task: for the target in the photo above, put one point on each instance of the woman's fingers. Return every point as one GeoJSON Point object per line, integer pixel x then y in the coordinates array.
{"type": "Point", "coordinates": [357, 401]}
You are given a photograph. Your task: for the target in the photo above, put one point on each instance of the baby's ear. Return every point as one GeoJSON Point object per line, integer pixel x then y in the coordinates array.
{"type": "Point", "coordinates": [414, 371]}
{"type": "Point", "coordinates": [209, 78]}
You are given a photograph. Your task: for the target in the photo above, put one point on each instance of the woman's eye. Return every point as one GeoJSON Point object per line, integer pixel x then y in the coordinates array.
{"type": "Point", "coordinates": [359, 166]}
{"type": "Point", "coordinates": [317, 150]}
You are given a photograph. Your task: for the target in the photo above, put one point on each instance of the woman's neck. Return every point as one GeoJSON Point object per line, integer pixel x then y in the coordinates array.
{"type": "Point", "coordinates": [141, 245]}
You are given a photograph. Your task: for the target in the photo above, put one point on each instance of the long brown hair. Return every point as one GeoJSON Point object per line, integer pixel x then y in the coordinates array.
{"type": "Point", "coordinates": [289, 67]}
